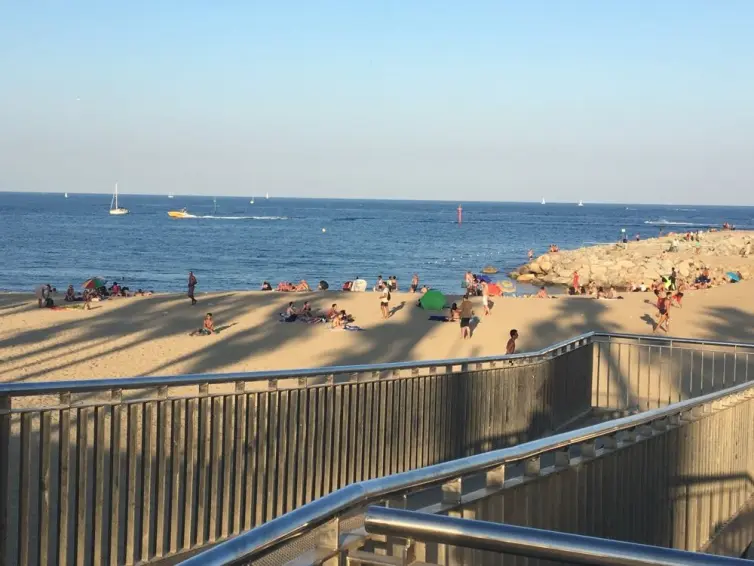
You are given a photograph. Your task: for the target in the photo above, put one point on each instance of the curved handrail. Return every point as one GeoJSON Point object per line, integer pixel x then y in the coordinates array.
{"type": "Point", "coordinates": [88, 386]}
{"type": "Point", "coordinates": [298, 521]}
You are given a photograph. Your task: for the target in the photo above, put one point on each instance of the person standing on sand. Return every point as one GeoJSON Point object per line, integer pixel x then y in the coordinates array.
{"type": "Point", "coordinates": [485, 298]}
{"type": "Point", "coordinates": [467, 311]}
{"type": "Point", "coordinates": [191, 285]}
{"type": "Point", "coordinates": [385, 302]}
{"type": "Point", "coordinates": [510, 347]}
{"type": "Point", "coordinates": [576, 283]}
{"type": "Point", "coordinates": [414, 283]}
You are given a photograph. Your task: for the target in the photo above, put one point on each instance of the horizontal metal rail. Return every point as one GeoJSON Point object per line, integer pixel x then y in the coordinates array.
{"type": "Point", "coordinates": [88, 386]}
{"type": "Point", "coordinates": [360, 495]}
{"type": "Point", "coordinates": [529, 542]}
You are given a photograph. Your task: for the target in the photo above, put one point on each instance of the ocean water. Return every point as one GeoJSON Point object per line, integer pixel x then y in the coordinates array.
{"type": "Point", "coordinates": [48, 238]}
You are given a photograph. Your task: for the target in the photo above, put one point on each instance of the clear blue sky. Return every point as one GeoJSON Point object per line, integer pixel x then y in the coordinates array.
{"type": "Point", "coordinates": [608, 100]}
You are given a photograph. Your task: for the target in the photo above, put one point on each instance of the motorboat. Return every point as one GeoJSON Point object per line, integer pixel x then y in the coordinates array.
{"type": "Point", "coordinates": [183, 213]}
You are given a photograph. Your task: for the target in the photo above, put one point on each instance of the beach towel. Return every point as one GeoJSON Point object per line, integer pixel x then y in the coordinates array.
{"type": "Point", "coordinates": [438, 318]}
{"type": "Point", "coordinates": [350, 327]}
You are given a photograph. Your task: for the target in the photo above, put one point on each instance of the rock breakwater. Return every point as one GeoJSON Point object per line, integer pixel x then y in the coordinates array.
{"type": "Point", "coordinates": [645, 261]}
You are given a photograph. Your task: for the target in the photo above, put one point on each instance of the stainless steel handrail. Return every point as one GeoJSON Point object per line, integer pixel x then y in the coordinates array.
{"type": "Point", "coordinates": [88, 386]}
{"type": "Point", "coordinates": [361, 494]}
{"type": "Point", "coordinates": [529, 542]}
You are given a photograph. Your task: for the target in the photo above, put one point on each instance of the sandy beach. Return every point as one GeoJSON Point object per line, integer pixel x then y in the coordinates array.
{"type": "Point", "coordinates": [150, 335]}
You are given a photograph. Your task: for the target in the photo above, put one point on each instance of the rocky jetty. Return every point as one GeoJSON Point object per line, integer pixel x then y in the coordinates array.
{"type": "Point", "coordinates": [644, 261]}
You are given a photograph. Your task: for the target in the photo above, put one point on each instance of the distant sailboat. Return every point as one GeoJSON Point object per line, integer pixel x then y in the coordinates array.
{"type": "Point", "coordinates": [66, 195]}
{"type": "Point", "coordinates": [581, 203]}
{"type": "Point", "coordinates": [251, 201]}
{"type": "Point", "coordinates": [171, 195]}
{"type": "Point", "coordinates": [543, 200]}
{"type": "Point", "coordinates": [214, 209]}
{"type": "Point", "coordinates": [116, 210]}
{"type": "Point", "coordinates": [267, 196]}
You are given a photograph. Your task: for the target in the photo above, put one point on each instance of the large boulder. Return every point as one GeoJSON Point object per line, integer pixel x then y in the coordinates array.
{"type": "Point", "coordinates": [526, 277]}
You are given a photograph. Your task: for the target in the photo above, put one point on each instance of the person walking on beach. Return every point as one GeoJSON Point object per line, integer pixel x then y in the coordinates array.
{"type": "Point", "coordinates": [385, 302]}
{"type": "Point", "coordinates": [191, 285]}
{"type": "Point", "coordinates": [485, 298]}
{"type": "Point", "coordinates": [510, 347]}
{"type": "Point", "coordinates": [576, 283]}
{"type": "Point", "coordinates": [663, 307]}
{"type": "Point", "coordinates": [467, 311]}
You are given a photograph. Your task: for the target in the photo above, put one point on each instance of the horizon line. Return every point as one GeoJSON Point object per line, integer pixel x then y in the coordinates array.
{"type": "Point", "coordinates": [474, 201]}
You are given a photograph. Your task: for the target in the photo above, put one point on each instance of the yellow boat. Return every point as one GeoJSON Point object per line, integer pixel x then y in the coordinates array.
{"type": "Point", "coordinates": [180, 214]}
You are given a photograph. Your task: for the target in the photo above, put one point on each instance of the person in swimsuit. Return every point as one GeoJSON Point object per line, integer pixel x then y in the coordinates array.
{"type": "Point", "coordinates": [485, 298]}
{"type": "Point", "coordinates": [191, 285]}
{"type": "Point", "coordinates": [290, 313]}
{"type": "Point", "coordinates": [208, 327]}
{"type": "Point", "coordinates": [663, 307]}
{"type": "Point", "coordinates": [467, 311]}
{"type": "Point", "coordinates": [333, 312]}
{"type": "Point", "coordinates": [455, 313]}
{"type": "Point", "coordinates": [414, 283]}
{"type": "Point", "coordinates": [385, 302]}
{"type": "Point", "coordinates": [542, 293]}
{"type": "Point", "coordinates": [576, 283]}
{"type": "Point", "coordinates": [510, 347]}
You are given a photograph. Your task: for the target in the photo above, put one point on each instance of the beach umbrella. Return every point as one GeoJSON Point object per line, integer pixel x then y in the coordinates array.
{"type": "Point", "coordinates": [484, 278]}
{"type": "Point", "coordinates": [93, 283]}
{"type": "Point", "coordinates": [734, 277]}
{"type": "Point", "coordinates": [494, 290]}
{"type": "Point", "coordinates": [432, 301]}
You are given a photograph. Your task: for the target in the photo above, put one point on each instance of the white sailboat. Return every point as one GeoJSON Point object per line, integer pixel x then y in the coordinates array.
{"type": "Point", "coordinates": [267, 196]}
{"type": "Point", "coordinates": [66, 195]}
{"type": "Point", "coordinates": [581, 203]}
{"type": "Point", "coordinates": [251, 201]}
{"type": "Point", "coordinates": [543, 200]}
{"type": "Point", "coordinates": [171, 195]}
{"type": "Point", "coordinates": [116, 210]}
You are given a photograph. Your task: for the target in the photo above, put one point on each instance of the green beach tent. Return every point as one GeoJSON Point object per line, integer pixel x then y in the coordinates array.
{"type": "Point", "coordinates": [432, 301]}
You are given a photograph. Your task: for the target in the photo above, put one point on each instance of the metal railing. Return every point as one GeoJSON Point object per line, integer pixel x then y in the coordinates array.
{"type": "Point", "coordinates": [327, 529]}
{"type": "Point", "coordinates": [125, 471]}
{"type": "Point", "coordinates": [530, 543]}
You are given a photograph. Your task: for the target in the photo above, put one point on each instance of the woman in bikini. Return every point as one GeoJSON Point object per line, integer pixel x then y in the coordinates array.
{"type": "Point", "coordinates": [663, 307]}
{"type": "Point", "coordinates": [208, 327]}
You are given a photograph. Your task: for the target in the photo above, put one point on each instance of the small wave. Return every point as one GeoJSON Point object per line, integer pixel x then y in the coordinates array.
{"type": "Point", "coordinates": [663, 222]}
{"type": "Point", "coordinates": [685, 209]}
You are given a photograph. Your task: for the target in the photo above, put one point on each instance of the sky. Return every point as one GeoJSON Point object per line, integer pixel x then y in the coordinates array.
{"type": "Point", "coordinates": [609, 101]}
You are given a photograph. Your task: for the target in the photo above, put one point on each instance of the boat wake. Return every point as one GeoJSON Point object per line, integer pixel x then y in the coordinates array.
{"type": "Point", "coordinates": [663, 222]}
{"type": "Point", "coordinates": [213, 217]}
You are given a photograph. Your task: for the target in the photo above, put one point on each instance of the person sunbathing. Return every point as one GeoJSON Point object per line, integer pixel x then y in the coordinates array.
{"type": "Point", "coordinates": [302, 286]}
{"type": "Point", "coordinates": [208, 327]}
{"type": "Point", "coordinates": [70, 294]}
{"type": "Point", "coordinates": [339, 321]}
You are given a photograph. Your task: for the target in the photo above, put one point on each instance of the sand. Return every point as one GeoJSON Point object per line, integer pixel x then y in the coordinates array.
{"type": "Point", "coordinates": [149, 335]}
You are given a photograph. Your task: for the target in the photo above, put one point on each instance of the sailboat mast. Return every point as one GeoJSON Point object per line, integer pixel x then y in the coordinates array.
{"type": "Point", "coordinates": [116, 195]}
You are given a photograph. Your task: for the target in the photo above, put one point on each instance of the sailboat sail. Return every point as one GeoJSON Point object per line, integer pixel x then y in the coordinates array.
{"type": "Point", "coordinates": [116, 210]}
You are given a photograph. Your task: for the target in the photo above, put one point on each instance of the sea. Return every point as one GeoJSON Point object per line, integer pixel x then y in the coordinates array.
{"type": "Point", "coordinates": [232, 244]}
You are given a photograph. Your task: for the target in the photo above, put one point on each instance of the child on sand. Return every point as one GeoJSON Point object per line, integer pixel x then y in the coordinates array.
{"type": "Point", "coordinates": [207, 329]}
{"type": "Point", "coordinates": [510, 347]}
